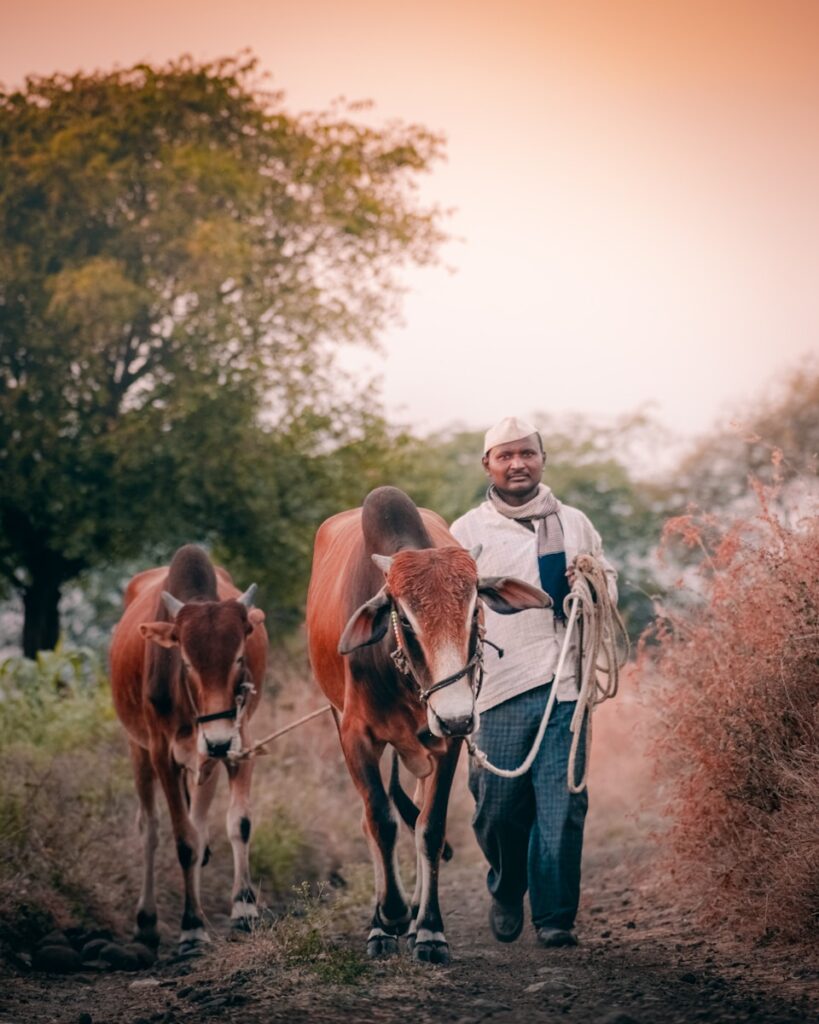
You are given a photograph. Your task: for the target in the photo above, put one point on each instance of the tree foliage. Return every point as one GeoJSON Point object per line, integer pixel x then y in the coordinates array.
{"type": "Point", "coordinates": [179, 256]}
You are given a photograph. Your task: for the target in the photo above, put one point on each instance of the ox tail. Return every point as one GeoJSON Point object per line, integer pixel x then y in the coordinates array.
{"type": "Point", "coordinates": [406, 806]}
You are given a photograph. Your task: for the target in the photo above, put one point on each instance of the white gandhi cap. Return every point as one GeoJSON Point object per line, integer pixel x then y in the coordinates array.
{"type": "Point", "coordinates": [508, 429]}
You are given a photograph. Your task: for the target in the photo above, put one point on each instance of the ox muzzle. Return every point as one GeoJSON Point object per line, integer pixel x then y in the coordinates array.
{"type": "Point", "coordinates": [218, 741]}
{"type": "Point", "coordinates": [219, 733]}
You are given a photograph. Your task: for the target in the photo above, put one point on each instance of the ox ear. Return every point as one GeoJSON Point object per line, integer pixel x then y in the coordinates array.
{"type": "Point", "coordinates": [507, 594]}
{"type": "Point", "coordinates": [162, 633]}
{"type": "Point", "coordinates": [367, 625]}
{"type": "Point", "coordinates": [254, 618]}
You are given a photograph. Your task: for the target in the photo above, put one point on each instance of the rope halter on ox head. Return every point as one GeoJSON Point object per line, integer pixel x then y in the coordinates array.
{"type": "Point", "coordinates": [244, 690]}
{"type": "Point", "coordinates": [403, 662]}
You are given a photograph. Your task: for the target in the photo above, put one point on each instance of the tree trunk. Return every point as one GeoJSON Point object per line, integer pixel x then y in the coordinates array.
{"type": "Point", "coordinates": [41, 622]}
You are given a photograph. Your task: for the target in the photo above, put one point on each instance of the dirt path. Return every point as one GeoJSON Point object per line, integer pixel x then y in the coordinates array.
{"type": "Point", "coordinates": [638, 961]}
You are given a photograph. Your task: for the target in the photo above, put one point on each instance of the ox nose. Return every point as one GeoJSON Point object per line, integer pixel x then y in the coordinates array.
{"type": "Point", "coordinates": [457, 726]}
{"type": "Point", "coordinates": [218, 749]}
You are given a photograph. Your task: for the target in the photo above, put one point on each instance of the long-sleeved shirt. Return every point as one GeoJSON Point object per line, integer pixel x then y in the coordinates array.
{"type": "Point", "coordinates": [531, 640]}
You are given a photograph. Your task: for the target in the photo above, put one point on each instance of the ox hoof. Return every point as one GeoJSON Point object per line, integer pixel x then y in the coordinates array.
{"type": "Point", "coordinates": [193, 942]}
{"type": "Point", "coordinates": [431, 952]}
{"type": "Point", "coordinates": [188, 948]}
{"type": "Point", "coordinates": [246, 923]}
{"type": "Point", "coordinates": [430, 947]}
{"type": "Point", "coordinates": [146, 930]}
{"type": "Point", "coordinates": [379, 944]}
{"type": "Point", "coordinates": [244, 915]}
{"type": "Point", "coordinates": [147, 938]}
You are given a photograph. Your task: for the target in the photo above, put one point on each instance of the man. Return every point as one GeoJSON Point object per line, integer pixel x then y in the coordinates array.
{"type": "Point", "coordinates": [529, 828]}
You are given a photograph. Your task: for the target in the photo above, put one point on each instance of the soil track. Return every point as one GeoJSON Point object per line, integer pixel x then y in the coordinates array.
{"type": "Point", "coordinates": [640, 959]}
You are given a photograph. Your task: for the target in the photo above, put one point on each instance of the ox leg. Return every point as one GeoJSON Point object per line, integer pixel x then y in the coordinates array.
{"type": "Point", "coordinates": [244, 910]}
{"type": "Point", "coordinates": [148, 825]}
{"type": "Point", "coordinates": [189, 848]}
{"type": "Point", "coordinates": [418, 800]}
{"type": "Point", "coordinates": [391, 914]}
{"type": "Point", "coordinates": [201, 799]}
{"type": "Point", "coordinates": [430, 943]}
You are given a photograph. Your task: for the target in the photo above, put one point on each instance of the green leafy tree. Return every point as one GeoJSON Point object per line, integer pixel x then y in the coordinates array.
{"type": "Point", "coordinates": [179, 257]}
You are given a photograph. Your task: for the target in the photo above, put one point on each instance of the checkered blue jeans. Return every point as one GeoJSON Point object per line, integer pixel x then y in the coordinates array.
{"type": "Point", "coordinates": [531, 828]}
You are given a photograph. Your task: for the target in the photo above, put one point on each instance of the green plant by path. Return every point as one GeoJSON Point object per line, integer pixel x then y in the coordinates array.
{"type": "Point", "coordinates": [66, 787]}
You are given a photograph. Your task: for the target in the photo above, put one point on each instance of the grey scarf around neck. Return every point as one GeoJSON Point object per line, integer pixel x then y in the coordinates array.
{"type": "Point", "coordinates": [540, 512]}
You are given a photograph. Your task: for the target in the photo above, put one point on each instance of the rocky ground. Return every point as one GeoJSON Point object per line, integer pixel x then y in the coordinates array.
{"type": "Point", "coordinates": [641, 958]}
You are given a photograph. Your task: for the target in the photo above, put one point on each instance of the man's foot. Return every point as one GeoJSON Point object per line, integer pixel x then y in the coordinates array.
{"type": "Point", "coordinates": [506, 920]}
{"type": "Point", "coordinates": [552, 937]}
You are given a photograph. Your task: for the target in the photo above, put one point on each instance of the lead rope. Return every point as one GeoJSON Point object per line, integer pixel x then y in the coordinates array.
{"type": "Point", "coordinates": [602, 634]}
{"type": "Point", "coordinates": [258, 748]}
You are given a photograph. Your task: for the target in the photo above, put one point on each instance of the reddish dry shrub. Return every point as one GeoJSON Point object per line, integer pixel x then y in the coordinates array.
{"type": "Point", "coordinates": [738, 677]}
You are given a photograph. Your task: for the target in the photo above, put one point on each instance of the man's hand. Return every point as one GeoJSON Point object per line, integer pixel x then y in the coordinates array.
{"type": "Point", "coordinates": [571, 572]}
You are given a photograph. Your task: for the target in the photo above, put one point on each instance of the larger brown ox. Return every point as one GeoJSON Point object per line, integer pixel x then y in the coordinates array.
{"type": "Point", "coordinates": [390, 578]}
{"type": "Point", "coordinates": [187, 663]}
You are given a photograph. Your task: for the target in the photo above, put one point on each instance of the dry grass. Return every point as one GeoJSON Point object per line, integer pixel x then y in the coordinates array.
{"type": "Point", "coordinates": [737, 680]}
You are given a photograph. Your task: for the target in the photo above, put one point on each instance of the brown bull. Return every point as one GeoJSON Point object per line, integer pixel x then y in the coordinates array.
{"type": "Point", "coordinates": [394, 621]}
{"type": "Point", "coordinates": [188, 660]}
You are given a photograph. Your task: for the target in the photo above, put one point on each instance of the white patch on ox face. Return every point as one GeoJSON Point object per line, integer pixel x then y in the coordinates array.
{"type": "Point", "coordinates": [221, 731]}
{"type": "Point", "coordinates": [454, 703]}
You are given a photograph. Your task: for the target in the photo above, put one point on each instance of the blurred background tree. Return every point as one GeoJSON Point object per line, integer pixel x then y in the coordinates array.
{"type": "Point", "coordinates": [775, 437]}
{"type": "Point", "coordinates": [179, 258]}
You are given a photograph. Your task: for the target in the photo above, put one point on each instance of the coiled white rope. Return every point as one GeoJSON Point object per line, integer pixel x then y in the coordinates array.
{"type": "Point", "coordinates": [602, 651]}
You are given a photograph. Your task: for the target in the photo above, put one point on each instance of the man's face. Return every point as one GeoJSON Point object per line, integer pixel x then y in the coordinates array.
{"type": "Point", "coordinates": [515, 468]}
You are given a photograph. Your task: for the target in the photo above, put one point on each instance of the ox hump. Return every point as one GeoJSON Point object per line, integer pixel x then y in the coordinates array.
{"type": "Point", "coordinates": [191, 575]}
{"type": "Point", "coordinates": [390, 521]}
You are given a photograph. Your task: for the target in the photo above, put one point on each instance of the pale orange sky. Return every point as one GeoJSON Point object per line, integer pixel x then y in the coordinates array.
{"type": "Point", "coordinates": [635, 182]}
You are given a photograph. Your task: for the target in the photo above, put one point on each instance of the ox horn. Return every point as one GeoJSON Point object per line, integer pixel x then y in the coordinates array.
{"type": "Point", "coordinates": [173, 605]}
{"type": "Point", "coordinates": [384, 562]}
{"type": "Point", "coordinates": [247, 598]}
{"type": "Point", "coordinates": [475, 553]}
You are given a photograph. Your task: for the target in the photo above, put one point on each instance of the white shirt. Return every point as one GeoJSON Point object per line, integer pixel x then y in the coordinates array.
{"type": "Point", "coordinates": [531, 640]}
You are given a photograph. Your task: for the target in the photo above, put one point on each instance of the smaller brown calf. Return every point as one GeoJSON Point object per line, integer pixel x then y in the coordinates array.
{"type": "Point", "coordinates": [188, 660]}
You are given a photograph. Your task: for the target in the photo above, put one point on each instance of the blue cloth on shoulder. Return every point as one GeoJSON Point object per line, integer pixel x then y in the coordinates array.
{"type": "Point", "coordinates": [553, 579]}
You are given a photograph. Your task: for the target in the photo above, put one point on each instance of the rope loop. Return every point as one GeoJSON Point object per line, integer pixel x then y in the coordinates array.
{"type": "Point", "coordinates": [603, 650]}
